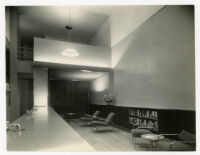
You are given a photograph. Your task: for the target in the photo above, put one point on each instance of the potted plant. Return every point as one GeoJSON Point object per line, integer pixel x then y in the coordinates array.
{"type": "Point", "coordinates": [108, 98]}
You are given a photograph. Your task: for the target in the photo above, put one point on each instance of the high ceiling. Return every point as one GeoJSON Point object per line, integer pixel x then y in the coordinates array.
{"type": "Point", "coordinates": [50, 22]}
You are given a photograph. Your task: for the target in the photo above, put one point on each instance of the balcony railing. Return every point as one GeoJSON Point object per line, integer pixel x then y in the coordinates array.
{"type": "Point", "coordinates": [25, 54]}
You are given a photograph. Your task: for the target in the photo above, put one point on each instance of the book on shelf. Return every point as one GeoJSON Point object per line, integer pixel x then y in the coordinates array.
{"type": "Point", "coordinates": [156, 125]}
{"type": "Point", "coordinates": [156, 114]}
{"type": "Point", "coordinates": [152, 114]}
{"type": "Point", "coordinates": [145, 122]}
{"type": "Point", "coordinates": [147, 113]}
{"type": "Point", "coordinates": [131, 120]}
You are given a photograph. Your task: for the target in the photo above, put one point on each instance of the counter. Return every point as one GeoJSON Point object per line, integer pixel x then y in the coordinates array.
{"type": "Point", "coordinates": [45, 131]}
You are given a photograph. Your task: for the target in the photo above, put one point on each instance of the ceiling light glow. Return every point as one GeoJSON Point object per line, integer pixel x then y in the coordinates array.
{"type": "Point", "coordinates": [70, 53]}
{"type": "Point", "coordinates": [86, 71]}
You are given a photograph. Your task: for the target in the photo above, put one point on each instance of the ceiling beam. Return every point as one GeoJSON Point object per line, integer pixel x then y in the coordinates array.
{"type": "Point", "coordinates": [67, 66]}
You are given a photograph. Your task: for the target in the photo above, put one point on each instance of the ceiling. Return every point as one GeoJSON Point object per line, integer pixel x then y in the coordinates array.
{"type": "Point", "coordinates": [50, 22]}
{"type": "Point", "coordinates": [74, 75]}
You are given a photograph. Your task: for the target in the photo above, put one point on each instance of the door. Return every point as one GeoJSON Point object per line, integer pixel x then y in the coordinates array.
{"type": "Point", "coordinates": [25, 95]}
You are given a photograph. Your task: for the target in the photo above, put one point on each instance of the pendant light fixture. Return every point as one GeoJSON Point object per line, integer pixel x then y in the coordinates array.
{"type": "Point", "coordinates": [69, 52]}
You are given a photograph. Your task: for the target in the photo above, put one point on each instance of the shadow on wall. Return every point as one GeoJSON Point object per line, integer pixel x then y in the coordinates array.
{"type": "Point", "coordinates": [156, 66]}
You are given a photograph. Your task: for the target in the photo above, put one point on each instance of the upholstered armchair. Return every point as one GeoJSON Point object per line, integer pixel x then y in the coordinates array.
{"type": "Point", "coordinates": [103, 122]}
{"type": "Point", "coordinates": [184, 141]}
{"type": "Point", "coordinates": [87, 118]}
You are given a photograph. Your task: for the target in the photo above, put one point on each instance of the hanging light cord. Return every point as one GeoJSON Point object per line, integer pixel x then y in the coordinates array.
{"type": "Point", "coordinates": [70, 22]}
{"type": "Point", "coordinates": [68, 51]}
{"type": "Point", "coordinates": [69, 15]}
{"type": "Point", "coordinates": [69, 27]}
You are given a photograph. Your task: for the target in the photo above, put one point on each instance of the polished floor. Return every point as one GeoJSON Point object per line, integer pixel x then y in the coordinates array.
{"type": "Point", "coordinates": [106, 139]}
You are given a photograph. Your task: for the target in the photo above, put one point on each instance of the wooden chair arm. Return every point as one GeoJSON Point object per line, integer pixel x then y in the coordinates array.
{"type": "Point", "coordinates": [100, 119]}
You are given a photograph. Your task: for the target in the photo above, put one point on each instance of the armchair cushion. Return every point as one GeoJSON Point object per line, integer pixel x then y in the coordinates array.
{"type": "Point", "coordinates": [187, 136]}
{"type": "Point", "coordinates": [86, 119]}
{"type": "Point", "coordinates": [99, 123]}
{"type": "Point", "coordinates": [104, 122]}
{"type": "Point", "coordinates": [169, 145]}
{"type": "Point", "coordinates": [186, 142]}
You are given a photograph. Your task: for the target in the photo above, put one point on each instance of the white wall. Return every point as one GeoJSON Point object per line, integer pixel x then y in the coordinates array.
{"type": "Point", "coordinates": [99, 87]}
{"type": "Point", "coordinates": [153, 60]}
{"type": "Point", "coordinates": [127, 19]}
{"type": "Point", "coordinates": [40, 79]}
{"type": "Point", "coordinates": [46, 50]}
{"type": "Point", "coordinates": [121, 22]}
{"type": "Point", "coordinates": [156, 67]}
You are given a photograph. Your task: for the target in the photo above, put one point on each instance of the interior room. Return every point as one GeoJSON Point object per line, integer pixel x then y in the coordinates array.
{"type": "Point", "coordinates": [100, 78]}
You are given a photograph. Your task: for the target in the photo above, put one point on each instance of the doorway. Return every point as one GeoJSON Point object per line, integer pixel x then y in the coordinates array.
{"type": "Point", "coordinates": [25, 83]}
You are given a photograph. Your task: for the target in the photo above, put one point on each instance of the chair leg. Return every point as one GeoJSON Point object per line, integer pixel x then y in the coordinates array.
{"type": "Point", "coordinates": [132, 140]}
{"type": "Point", "coordinates": [111, 127]}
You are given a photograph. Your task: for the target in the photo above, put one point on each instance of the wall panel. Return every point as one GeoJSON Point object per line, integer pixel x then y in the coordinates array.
{"type": "Point", "coordinates": [69, 96]}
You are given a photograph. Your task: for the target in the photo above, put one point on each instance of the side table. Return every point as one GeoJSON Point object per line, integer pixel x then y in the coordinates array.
{"type": "Point", "coordinates": [153, 139]}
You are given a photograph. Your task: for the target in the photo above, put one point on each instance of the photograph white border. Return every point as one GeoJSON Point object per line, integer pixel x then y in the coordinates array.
{"type": "Point", "coordinates": [4, 3]}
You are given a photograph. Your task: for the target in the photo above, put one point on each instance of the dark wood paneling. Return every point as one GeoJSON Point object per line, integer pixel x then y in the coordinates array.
{"type": "Point", "coordinates": [65, 109]}
{"type": "Point", "coordinates": [57, 93]}
{"type": "Point", "coordinates": [69, 96]}
{"type": "Point", "coordinates": [169, 121]}
{"type": "Point", "coordinates": [173, 121]}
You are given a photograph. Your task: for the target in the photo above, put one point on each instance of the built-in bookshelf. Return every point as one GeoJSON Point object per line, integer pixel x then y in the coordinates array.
{"type": "Point", "coordinates": [168, 120]}
{"type": "Point", "coordinates": [143, 117]}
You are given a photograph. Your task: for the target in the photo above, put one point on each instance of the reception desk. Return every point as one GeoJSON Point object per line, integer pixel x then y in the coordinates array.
{"type": "Point", "coordinates": [45, 130]}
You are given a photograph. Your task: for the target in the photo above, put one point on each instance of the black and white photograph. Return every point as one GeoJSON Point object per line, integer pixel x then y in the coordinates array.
{"type": "Point", "coordinates": [101, 77]}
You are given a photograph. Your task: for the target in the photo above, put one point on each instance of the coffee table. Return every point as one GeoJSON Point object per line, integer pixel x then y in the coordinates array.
{"type": "Point", "coordinates": [153, 139]}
